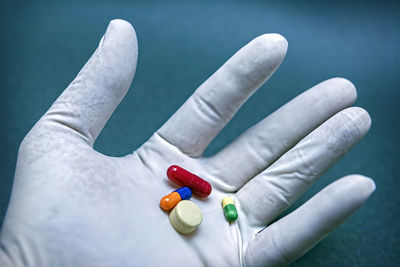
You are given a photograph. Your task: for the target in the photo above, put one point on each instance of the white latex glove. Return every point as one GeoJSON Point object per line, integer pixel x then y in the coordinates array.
{"type": "Point", "coordinates": [73, 206]}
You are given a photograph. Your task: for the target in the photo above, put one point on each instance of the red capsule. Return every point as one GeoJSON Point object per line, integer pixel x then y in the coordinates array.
{"type": "Point", "coordinates": [183, 177]}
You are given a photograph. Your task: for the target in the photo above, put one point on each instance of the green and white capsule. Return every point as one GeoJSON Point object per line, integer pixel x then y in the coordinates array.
{"type": "Point", "coordinates": [229, 209]}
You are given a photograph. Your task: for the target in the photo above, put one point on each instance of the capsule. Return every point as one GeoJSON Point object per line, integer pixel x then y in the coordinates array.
{"type": "Point", "coordinates": [183, 177]}
{"type": "Point", "coordinates": [170, 200]}
{"type": "Point", "coordinates": [229, 209]}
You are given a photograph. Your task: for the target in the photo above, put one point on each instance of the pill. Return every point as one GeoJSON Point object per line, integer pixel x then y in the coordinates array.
{"type": "Point", "coordinates": [170, 200]}
{"type": "Point", "coordinates": [183, 177]}
{"type": "Point", "coordinates": [185, 217]}
{"type": "Point", "coordinates": [229, 209]}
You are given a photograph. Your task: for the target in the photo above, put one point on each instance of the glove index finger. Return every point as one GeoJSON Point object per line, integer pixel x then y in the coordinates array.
{"type": "Point", "coordinates": [214, 103]}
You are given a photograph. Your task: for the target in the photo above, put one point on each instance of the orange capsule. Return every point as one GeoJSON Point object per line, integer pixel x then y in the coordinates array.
{"type": "Point", "coordinates": [171, 200]}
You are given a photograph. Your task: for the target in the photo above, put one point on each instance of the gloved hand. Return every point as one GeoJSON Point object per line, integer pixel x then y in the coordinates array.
{"type": "Point", "coordinates": [73, 206]}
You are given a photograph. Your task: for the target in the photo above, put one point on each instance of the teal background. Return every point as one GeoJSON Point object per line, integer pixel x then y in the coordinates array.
{"type": "Point", "coordinates": [43, 45]}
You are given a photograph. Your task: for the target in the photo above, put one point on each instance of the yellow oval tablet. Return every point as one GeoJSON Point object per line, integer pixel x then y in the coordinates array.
{"type": "Point", "coordinates": [185, 217]}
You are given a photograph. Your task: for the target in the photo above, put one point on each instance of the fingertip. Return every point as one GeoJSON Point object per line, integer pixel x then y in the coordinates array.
{"type": "Point", "coordinates": [118, 50]}
{"type": "Point", "coordinates": [347, 86]}
{"type": "Point", "coordinates": [122, 25]}
{"type": "Point", "coordinates": [272, 41]}
{"type": "Point", "coordinates": [371, 184]}
{"type": "Point", "coordinates": [276, 38]}
{"type": "Point", "coordinates": [120, 33]}
{"type": "Point", "coordinates": [365, 117]}
{"type": "Point", "coordinates": [363, 184]}
{"type": "Point", "coordinates": [360, 117]}
{"type": "Point", "coordinates": [342, 88]}
{"type": "Point", "coordinates": [281, 40]}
